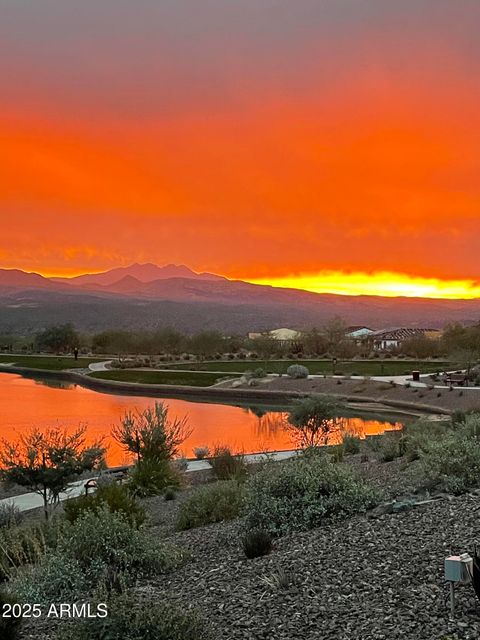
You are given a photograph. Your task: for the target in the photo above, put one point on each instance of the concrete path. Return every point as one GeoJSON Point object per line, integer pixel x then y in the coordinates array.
{"type": "Point", "coordinates": [28, 501]}
{"type": "Point", "coordinates": [99, 366]}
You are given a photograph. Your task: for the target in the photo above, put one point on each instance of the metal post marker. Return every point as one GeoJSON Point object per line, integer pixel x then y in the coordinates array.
{"type": "Point", "coordinates": [452, 598]}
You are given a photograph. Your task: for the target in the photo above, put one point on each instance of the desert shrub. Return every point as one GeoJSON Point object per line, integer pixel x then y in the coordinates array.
{"type": "Point", "coordinates": [201, 452]}
{"type": "Point", "coordinates": [25, 545]}
{"type": "Point", "coordinates": [57, 577]}
{"type": "Point", "coordinates": [256, 543]}
{"type": "Point", "coordinates": [458, 417]}
{"type": "Point", "coordinates": [301, 493]}
{"type": "Point", "coordinates": [351, 444]}
{"type": "Point", "coordinates": [374, 442]}
{"type": "Point", "coordinates": [104, 542]}
{"type": "Point", "coordinates": [10, 515]}
{"type": "Point", "coordinates": [418, 435]}
{"type": "Point", "coordinates": [392, 446]}
{"type": "Point", "coordinates": [453, 461]}
{"type": "Point", "coordinates": [130, 618]}
{"type": "Point", "coordinates": [297, 371]}
{"type": "Point", "coordinates": [114, 497]}
{"type": "Point", "coordinates": [99, 548]}
{"type": "Point", "coordinates": [337, 452]}
{"type": "Point", "coordinates": [170, 493]}
{"type": "Point", "coordinates": [151, 477]}
{"type": "Point", "coordinates": [211, 503]}
{"type": "Point", "coordinates": [226, 465]}
{"type": "Point", "coordinates": [9, 627]}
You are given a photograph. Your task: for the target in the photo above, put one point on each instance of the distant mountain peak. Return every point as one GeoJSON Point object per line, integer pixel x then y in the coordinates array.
{"type": "Point", "coordinates": [143, 272]}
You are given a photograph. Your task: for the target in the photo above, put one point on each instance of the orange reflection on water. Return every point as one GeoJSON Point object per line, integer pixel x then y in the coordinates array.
{"type": "Point", "coordinates": [26, 403]}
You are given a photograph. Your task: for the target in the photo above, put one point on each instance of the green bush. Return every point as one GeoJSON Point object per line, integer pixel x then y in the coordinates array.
{"type": "Point", "coordinates": [151, 477]}
{"type": "Point", "coordinates": [392, 446]}
{"type": "Point", "coordinates": [418, 435]}
{"type": "Point", "coordinates": [115, 497]}
{"type": "Point", "coordinates": [57, 577]}
{"type": "Point", "coordinates": [301, 493]}
{"type": "Point", "coordinates": [131, 619]}
{"type": "Point", "coordinates": [351, 444]}
{"type": "Point", "coordinates": [226, 465]}
{"type": "Point", "coordinates": [256, 543]}
{"type": "Point", "coordinates": [297, 371]}
{"type": "Point", "coordinates": [99, 548]}
{"type": "Point", "coordinates": [453, 462]}
{"type": "Point", "coordinates": [105, 543]}
{"type": "Point", "coordinates": [211, 503]}
{"type": "Point", "coordinates": [9, 627]}
{"type": "Point", "coordinates": [170, 493]}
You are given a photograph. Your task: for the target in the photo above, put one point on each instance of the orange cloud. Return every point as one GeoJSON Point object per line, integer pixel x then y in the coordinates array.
{"type": "Point", "coordinates": [357, 155]}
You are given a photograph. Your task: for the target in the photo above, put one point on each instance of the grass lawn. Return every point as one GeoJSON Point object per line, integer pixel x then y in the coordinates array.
{"type": "Point", "coordinates": [194, 378]}
{"type": "Point", "coordinates": [360, 367]}
{"type": "Point", "coordinates": [53, 363]}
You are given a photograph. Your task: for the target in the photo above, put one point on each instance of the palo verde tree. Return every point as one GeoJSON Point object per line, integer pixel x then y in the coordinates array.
{"type": "Point", "coordinates": [46, 462]}
{"type": "Point", "coordinates": [151, 434]}
{"type": "Point", "coordinates": [313, 420]}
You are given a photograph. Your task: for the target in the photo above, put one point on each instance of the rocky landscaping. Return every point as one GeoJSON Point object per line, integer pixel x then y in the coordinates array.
{"type": "Point", "coordinates": [444, 400]}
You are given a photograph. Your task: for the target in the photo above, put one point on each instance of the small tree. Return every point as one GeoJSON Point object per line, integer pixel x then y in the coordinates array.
{"type": "Point", "coordinates": [312, 420]}
{"type": "Point", "coordinates": [47, 462]}
{"type": "Point", "coordinates": [150, 434]}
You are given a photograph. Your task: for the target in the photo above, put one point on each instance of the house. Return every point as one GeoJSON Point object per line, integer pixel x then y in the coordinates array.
{"type": "Point", "coordinates": [359, 332]}
{"type": "Point", "coordinates": [387, 339]}
{"type": "Point", "coordinates": [284, 336]}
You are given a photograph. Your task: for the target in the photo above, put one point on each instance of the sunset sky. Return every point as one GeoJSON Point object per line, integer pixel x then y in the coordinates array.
{"type": "Point", "coordinates": [327, 144]}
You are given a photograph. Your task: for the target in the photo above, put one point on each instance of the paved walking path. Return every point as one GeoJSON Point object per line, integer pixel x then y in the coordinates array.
{"type": "Point", "coordinates": [28, 501]}
{"type": "Point", "coordinates": [99, 366]}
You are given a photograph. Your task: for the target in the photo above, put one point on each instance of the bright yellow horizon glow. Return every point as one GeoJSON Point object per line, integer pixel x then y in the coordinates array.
{"type": "Point", "coordinates": [382, 283]}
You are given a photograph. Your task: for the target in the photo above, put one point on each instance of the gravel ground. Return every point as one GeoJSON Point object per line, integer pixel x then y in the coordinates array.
{"type": "Point", "coordinates": [367, 578]}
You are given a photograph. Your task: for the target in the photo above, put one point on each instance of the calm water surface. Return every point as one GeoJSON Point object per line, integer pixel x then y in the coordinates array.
{"type": "Point", "coordinates": [25, 403]}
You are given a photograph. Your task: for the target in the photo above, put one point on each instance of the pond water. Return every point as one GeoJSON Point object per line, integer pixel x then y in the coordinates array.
{"type": "Point", "coordinates": [25, 403]}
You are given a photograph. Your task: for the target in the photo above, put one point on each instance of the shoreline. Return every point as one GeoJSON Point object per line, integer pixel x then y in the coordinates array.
{"type": "Point", "coordinates": [213, 394]}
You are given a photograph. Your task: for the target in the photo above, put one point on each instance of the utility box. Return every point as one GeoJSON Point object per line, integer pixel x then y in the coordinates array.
{"type": "Point", "coordinates": [416, 376]}
{"type": "Point", "coordinates": [459, 568]}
